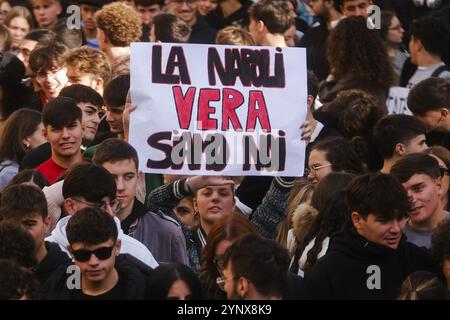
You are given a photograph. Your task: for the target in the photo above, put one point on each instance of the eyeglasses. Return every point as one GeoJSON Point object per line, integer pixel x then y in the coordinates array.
{"type": "Point", "coordinates": [316, 167]}
{"type": "Point", "coordinates": [222, 280]}
{"type": "Point", "coordinates": [84, 255]}
{"type": "Point", "coordinates": [115, 205]}
{"type": "Point", "coordinates": [43, 74]}
{"type": "Point", "coordinates": [188, 2]}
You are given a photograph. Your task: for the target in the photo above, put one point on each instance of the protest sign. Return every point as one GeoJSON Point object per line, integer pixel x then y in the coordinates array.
{"type": "Point", "coordinates": [397, 101]}
{"type": "Point", "coordinates": [218, 110]}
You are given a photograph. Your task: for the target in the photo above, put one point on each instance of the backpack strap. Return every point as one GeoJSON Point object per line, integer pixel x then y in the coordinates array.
{"type": "Point", "coordinates": [439, 70]}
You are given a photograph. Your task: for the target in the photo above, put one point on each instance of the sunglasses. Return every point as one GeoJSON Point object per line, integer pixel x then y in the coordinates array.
{"type": "Point", "coordinates": [84, 255]}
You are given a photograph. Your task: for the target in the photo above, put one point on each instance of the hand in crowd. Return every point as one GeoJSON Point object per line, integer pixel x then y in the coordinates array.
{"type": "Point", "coordinates": [198, 182]}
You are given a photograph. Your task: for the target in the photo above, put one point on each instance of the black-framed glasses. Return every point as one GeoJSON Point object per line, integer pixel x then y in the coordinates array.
{"type": "Point", "coordinates": [222, 280]}
{"type": "Point", "coordinates": [84, 255]}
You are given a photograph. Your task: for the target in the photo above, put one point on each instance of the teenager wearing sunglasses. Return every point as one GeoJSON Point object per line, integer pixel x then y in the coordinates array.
{"type": "Point", "coordinates": [104, 273]}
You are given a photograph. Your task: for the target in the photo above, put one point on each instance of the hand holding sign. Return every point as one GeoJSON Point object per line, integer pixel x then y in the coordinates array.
{"type": "Point", "coordinates": [126, 115]}
{"type": "Point", "coordinates": [199, 182]}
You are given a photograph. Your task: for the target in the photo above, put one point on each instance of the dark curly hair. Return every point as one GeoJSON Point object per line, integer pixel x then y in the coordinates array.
{"type": "Point", "coordinates": [355, 50]}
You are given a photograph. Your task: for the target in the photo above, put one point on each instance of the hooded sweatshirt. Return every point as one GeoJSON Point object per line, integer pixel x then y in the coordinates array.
{"type": "Point", "coordinates": [129, 244]}
{"type": "Point", "coordinates": [54, 259]}
{"type": "Point", "coordinates": [131, 285]}
{"type": "Point", "coordinates": [355, 268]}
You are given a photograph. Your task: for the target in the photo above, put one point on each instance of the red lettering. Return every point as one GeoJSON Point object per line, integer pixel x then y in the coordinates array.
{"type": "Point", "coordinates": [260, 112]}
{"type": "Point", "coordinates": [184, 104]}
{"type": "Point", "coordinates": [204, 109]}
{"type": "Point", "coordinates": [232, 99]}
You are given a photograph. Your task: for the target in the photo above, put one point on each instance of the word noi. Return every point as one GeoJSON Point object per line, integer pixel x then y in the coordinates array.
{"type": "Point", "coordinates": [212, 150]}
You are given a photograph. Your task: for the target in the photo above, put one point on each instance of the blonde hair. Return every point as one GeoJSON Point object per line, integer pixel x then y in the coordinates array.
{"type": "Point", "coordinates": [22, 12]}
{"type": "Point", "coordinates": [235, 36]}
{"type": "Point", "coordinates": [299, 194]}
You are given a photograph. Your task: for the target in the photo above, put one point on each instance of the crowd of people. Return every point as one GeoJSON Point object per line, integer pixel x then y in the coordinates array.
{"type": "Point", "coordinates": [368, 220]}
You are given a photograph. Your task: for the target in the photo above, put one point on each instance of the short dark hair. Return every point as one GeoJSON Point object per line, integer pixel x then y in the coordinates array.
{"type": "Point", "coordinates": [17, 244]}
{"type": "Point", "coordinates": [341, 154]}
{"type": "Point", "coordinates": [164, 276]}
{"type": "Point", "coordinates": [429, 94]}
{"type": "Point", "coordinates": [82, 93]}
{"type": "Point", "coordinates": [115, 93]}
{"type": "Point", "coordinates": [433, 33]}
{"type": "Point", "coordinates": [170, 28]}
{"type": "Point", "coordinates": [379, 194]}
{"type": "Point", "coordinates": [274, 13]}
{"type": "Point", "coordinates": [415, 163]}
{"type": "Point", "coordinates": [262, 261]}
{"type": "Point", "coordinates": [21, 200]}
{"type": "Point", "coordinates": [313, 84]}
{"type": "Point", "coordinates": [29, 175]}
{"type": "Point", "coordinates": [440, 242]}
{"type": "Point", "coordinates": [393, 129]}
{"type": "Point", "coordinates": [146, 3]}
{"type": "Point", "coordinates": [42, 36]}
{"type": "Point", "coordinates": [91, 182]}
{"type": "Point", "coordinates": [61, 112]}
{"type": "Point", "coordinates": [113, 150]}
{"type": "Point", "coordinates": [92, 226]}
{"type": "Point", "coordinates": [47, 57]}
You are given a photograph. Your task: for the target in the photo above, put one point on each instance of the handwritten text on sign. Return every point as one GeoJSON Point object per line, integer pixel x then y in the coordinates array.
{"type": "Point", "coordinates": [218, 109]}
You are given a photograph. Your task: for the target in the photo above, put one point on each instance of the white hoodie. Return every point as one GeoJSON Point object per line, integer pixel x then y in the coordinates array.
{"type": "Point", "coordinates": [129, 244]}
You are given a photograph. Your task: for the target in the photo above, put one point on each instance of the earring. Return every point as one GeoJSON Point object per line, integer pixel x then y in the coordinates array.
{"type": "Point", "coordinates": [27, 146]}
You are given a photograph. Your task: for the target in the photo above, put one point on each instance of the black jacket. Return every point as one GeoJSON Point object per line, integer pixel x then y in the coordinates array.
{"type": "Point", "coordinates": [344, 273]}
{"type": "Point", "coordinates": [132, 276]}
{"type": "Point", "coordinates": [54, 259]}
{"type": "Point", "coordinates": [202, 33]}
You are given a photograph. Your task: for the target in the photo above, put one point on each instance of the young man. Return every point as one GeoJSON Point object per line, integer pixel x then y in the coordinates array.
{"type": "Point", "coordinates": [429, 101]}
{"type": "Point", "coordinates": [149, 9]}
{"type": "Point", "coordinates": [369, 258]}
{"type": "Point", "coordinates": [88, 8]}
{"type": "Point", "coordinates": [355, 7]}
{"type": "Point", "coordinates": [427, 46]}
{"type": "Point", "coordinates": [46, 12]}
{"type": "Point", "coordinates": [421, 177]}
{"type": "Point", "coordinates": [269, 20]}
{"type": "Point", "coordinates": [32, 38]}
{"type": "Point", "coordinates": [26, 205]}
{"type": "Point", "coordinates": [397, 135]}
{"type": "Point", "coordinates": [228, 13]}
{"type": "Point", "coordinates": [85, 186]}
{"type": "Point", "coordinates": [254, 269]}
{"type": "Point", "coordinates": [88, 66]}
{"type": "Point", "coordinates": [201, 32]}
{"type": "Point", "coordinates": [161, 234]}
{"type": "Point", "coordinates": [90, 103]}
{"type": "Point", "coordinates": [118, 25]}
{"type": "Point", "coordinates": [62, 128]}
{"type": "Point", "coordinates": [94, 245]}
{"type": "Point", "coordinates": [47, 63]}
{"type": "Point", "coordinates": [315, 39]}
